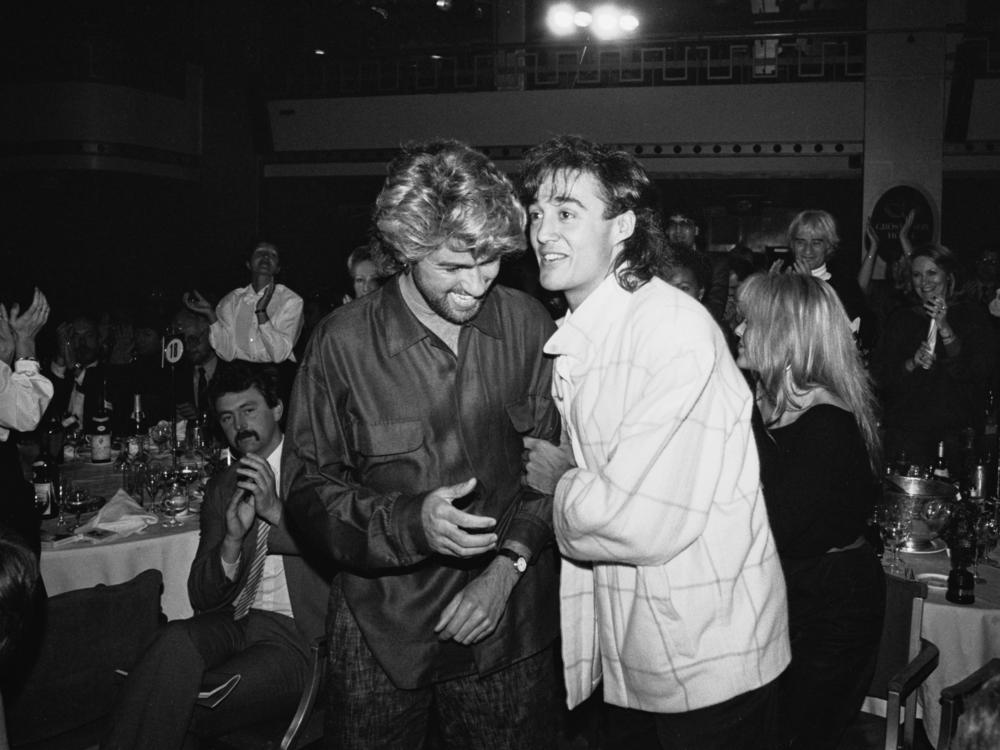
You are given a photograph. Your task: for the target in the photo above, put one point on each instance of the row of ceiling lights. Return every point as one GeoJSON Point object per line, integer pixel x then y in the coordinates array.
{"type": "Point", "coordinates": [602, 21]}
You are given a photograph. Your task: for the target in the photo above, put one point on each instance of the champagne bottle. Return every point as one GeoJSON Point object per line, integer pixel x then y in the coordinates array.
{"type": "Point", "coordinates": [45, 478]}
{"type": "Point", "coordinates": [137, 420]}
{"type": "Point", "coordinates": [940, 466]}
{"type": "Point", "coordinates": [100, 432]}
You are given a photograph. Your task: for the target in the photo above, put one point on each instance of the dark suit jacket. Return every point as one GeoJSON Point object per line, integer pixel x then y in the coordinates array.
{"type": "Point", "coordinates": [93, 383]}
{"type": "Point", "coordinates": [211, 591]}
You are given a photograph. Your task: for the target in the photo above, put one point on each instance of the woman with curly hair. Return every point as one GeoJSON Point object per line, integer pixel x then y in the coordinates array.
{"type": "Point", "coordinates": [932, 363]}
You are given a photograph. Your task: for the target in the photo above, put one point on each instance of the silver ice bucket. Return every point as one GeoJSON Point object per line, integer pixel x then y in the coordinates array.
{"type": "Point", "coordinates": [924, 505]}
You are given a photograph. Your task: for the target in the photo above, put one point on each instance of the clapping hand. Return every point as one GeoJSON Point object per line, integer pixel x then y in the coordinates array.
{"type": "Point", "coordinates": [195, 302]}
{"type": "Point", "coordinates": [924, 357]}
{"type": "Point", "coordinates": [263, 302]}
{"type": "Point", "coordinates": [937, 309]}
{"type": "Point", "coordinates": [6, 337]}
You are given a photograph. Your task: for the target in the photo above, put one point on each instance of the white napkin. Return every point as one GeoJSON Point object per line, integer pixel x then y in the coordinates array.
{"type": "Point", "coordinates": [121, 515]}
{"type": "Point", "coordinates": [932, 333]}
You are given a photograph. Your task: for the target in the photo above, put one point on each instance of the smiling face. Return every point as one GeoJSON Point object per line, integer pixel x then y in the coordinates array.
{"type": "Point", "coordinates": [250, 425]}
{"type": "Point", "coordinates": [455, 283]}
{"type": "Point", "coordinates": [364, 277]}
{"type": "Point", "coordinates": [574, 243]}
{"type": "Point", "coordinates": [929, 280]}
{"type": "Point", "coordinates": [811, 247]}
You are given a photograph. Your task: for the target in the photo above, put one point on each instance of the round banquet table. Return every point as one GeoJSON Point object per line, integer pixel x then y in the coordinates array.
{"type": "Point", "coordinates": [967, 635]}
{"type": "Point", "coordinates": [82, 564]}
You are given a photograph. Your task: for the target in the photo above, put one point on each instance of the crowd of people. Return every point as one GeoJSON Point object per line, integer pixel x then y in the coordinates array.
{"type": "Point", "coordinates": [660, 501]}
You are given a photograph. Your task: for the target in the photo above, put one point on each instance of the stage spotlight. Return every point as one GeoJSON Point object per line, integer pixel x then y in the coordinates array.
{"type": "Point", "coordinates": [560, 19]}
{"type": "Point", "coordinates": [444, 4]}
{"type": "Point", "coordinates": [605, 25]}
{"type": "Point", "coordinates": [582, 19]}
{"type": "Point", "coordinates": [628, 22]}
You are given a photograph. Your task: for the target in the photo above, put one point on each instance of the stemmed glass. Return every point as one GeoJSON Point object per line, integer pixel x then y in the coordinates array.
{"type": "Point", "coordinates": [175, 502]}
{"type": "Point", "coordinates": [893, 528]}
{"type": "Point", "coordinates": [65, 490]}
{"type": "Point", "coordinates": [986, 532]}
{"type": "Point", "coordinates": [77, 501]}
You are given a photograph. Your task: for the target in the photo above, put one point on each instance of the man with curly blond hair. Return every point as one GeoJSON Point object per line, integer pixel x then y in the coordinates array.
{"type": "Point", "coordinates": [403, 463]}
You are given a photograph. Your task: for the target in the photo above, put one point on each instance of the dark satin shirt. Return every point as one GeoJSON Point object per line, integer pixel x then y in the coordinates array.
{"type": "Point", "coordinates": [382, 413]}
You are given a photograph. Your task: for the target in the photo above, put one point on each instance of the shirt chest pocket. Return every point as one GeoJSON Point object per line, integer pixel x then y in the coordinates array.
{"type": "Point", "coordinates": [391, 454]}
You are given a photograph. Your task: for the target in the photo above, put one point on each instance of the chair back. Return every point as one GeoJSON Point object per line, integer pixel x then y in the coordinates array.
{"type": "Point", "coordinates": [904, 612]}
{"type": "Point", "coordinates": [953, 700]}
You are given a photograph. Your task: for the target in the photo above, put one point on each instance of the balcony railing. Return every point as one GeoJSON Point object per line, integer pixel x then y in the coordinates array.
{"type": "Point", "coordinates": [742, 60]}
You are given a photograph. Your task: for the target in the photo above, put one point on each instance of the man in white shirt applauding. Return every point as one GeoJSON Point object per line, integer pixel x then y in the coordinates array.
{"type": "Point", "coordinates": [259, 322]}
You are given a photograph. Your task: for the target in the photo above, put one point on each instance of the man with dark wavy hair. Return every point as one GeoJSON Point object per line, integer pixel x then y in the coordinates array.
{"type": "Point", "coordinates": [403, 463]}
{"type": "Point", "coordinates": [671, 588]}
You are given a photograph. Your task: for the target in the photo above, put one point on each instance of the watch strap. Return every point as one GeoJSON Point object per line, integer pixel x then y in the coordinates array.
{"type": "Point", "coordinates": [520, 562]}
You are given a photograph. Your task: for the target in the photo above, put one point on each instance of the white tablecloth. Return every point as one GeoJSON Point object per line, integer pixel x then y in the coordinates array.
{"type": "Point", "coordinates": [967, 635]}
{"type": "Point", "coordinates": [84, 564]}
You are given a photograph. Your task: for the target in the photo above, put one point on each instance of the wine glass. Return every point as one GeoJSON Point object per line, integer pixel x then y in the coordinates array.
{"type": "Point", "coordinates": [65, 490]}
{"type": "Point", "coordinates": [175, 502]}
{"type": "Point", "coordinates": [893, 527]}
{"type": "Point", "coordinates": [77, 502]}
{"type": "Point", "coordinates": [985, 531]}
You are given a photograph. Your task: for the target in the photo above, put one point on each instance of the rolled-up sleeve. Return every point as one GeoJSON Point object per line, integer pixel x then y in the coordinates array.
{"type": "Point", "coordinates": [24, 395]}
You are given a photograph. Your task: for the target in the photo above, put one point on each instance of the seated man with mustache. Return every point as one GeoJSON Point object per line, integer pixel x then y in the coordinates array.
{"type": "Point", "coordinates": [252, 619]}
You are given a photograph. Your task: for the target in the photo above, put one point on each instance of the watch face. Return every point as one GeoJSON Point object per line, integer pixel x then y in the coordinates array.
{"type": "Point", "coordinates": [521, 564]}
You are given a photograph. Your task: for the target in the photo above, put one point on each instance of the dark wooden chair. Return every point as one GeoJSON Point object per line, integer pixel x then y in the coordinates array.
{"type": "Point", "coordinates": [70, 685]}
{"type": "Point", "coordinates": [304, 727]}
{"type": "Point", "coordinates": [905, 660]}
{"type": "Point", "coordinates": [953, 700]}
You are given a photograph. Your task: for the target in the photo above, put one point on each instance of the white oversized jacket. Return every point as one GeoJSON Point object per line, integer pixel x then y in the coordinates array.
{"type": "Point", "coordinates": [671, 585]}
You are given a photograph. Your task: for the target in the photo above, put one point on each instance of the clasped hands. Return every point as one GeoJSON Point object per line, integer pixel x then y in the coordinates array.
{"type": "Point", "coordinates": [18, 328]}
{"type": "Point", "coordinates": [255, 495]}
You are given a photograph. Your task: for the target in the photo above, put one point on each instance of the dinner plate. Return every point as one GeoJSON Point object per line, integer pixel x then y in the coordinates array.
{"type": "Point", "coordinates": [934, 580]}
{"type": "Point", "coordinates": [936, 545]}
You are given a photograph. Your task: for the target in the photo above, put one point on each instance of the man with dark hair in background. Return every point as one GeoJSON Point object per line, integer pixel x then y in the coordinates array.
{"type": "Point", "coordinates": [258, 602]}
{"type": "Point", "coordinates": [404, 465]}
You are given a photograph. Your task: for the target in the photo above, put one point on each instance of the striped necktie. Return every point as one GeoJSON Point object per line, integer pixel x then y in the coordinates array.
{"type": "Point", "coordinates": [249, 592]}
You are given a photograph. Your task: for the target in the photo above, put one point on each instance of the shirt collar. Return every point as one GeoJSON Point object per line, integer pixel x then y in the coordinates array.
{"type": "Point", "coordinates": [821, 273]}
{"type": "Point", "coordinates": [403, 330]}
{"type": "Point", "coordinates": [579, 327]}
{"type": "Point", "coordinates": [248, 294]}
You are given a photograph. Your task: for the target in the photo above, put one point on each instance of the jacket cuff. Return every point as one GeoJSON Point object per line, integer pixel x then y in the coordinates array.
{"type": "Point", "coordinates": [407, 527]}
{"type": "Point", "coordinates": [532, 529]}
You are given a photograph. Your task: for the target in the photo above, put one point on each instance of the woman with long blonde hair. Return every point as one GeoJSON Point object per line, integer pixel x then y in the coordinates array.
{"type": "Point", "coordinates": [819, 451]}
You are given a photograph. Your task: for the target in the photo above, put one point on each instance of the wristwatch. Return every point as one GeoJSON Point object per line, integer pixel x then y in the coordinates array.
{"type": "Point", "coordinates": [520, 563]}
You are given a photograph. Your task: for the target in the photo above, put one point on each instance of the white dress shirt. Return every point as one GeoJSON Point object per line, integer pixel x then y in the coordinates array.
{"type": "Point", "coordinates": [272, 594]}
{"type": "Point", "coordinates": [237, 334]}
{"type": "Point", "coordinates": [24, 394]}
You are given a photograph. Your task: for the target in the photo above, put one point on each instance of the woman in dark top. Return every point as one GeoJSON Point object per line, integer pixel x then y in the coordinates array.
{"type": "Point", "coordinates": [818, 445]}
{"type": "Point", "coordinates": [931, 392]}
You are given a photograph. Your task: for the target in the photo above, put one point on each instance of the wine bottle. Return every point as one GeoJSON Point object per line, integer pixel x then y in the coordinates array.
{"type": "Point", "coordinates": [100, 432]}
{"type": "Point", "coordinates": [940, 466]}
{"type": "Point", "coordinates": [45, 478]}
